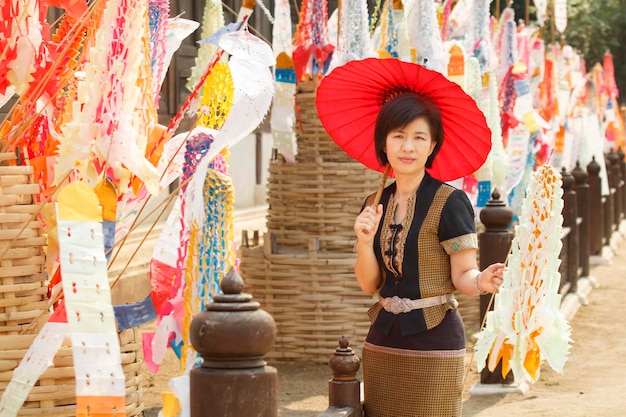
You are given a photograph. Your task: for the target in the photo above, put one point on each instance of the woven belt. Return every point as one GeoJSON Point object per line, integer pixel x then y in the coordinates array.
{"type": "Point", "coordinates": [397, 305]}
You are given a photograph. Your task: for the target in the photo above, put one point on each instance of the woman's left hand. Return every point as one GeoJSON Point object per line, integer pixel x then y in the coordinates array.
{"type": "Point", "coordinates": [490, 278]}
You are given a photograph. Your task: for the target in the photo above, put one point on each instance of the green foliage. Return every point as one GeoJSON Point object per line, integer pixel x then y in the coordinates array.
{"type": "Point", "coordinates": [595, 27]}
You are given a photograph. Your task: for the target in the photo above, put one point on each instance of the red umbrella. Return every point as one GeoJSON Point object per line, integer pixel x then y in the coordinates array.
{"type": "Point", "coordinates": [349, 98]}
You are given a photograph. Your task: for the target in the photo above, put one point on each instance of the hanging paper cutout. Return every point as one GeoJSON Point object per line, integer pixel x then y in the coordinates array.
{"type": "Point", "coordinates": [106, 132]}
{"type": "Point", "coordinates": [22, 45]}
{"type": "Point", "coordinates": [425, 36]}
{"type": "Point", "coordinates": [353, 39]}
{"type": "Point", "coordinates": [560, 15]}
{"type": "Point", "coordinates": [312, 50]}
{"type": "Point", "coordinates": [526, 325]}
{"type": "Point", "coordinates": [212, 21]}
{"type": "Point", "coordinates": [283, 108]}
{"type": "Point", "coordinates": [34, 363]}
{"type": "Point", "coordinates": [478, 38]}
{"type": "Point", "coordinates": [100, 381]}
{"type": "Point", "coordinates": [213, 256]}
{"type": "Point", "coordinates": [541, 7]}
{"type": "Point", "coordinates": [281, 30]}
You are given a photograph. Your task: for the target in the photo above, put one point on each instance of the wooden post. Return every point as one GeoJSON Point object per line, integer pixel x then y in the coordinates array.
{"type": "Point", "coordinates": [564, 257]}
{"type": "Point", "coordinates": [622, 168]}
{"type": "Point", "coordinates": [618, 184]}
{"type": "Point", "coordinates": [582, 199]}
{"type": "Point", "coordinates": [596, 221]}
{"type": "Point", "coordinates": [344, 389]}
{"type": "Point", "coordinates": [570, 220]}
{"type": "Point", "coordinates": [494, 244]}
{"type": "Point", "coordinates": [609, 205]}
{"type": "Point", "coordinates": [233, 335]}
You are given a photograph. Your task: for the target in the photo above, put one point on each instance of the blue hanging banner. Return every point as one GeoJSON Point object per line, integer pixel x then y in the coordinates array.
{"type": "Point", "coordinates": [133, 315]}
{"type": "Point", "coordinates": [484, 193]}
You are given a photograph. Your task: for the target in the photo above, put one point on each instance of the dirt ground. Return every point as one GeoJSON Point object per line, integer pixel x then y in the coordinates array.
{"type": "Point", "coordinates": [593, 383]}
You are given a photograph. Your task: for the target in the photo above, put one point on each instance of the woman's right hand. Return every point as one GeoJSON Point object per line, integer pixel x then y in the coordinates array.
{"type": "Point", "coordinates": [366, 224]}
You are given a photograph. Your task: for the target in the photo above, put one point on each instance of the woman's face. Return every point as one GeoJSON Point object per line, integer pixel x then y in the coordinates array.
{"type": "Point", "coordinates": [409, 147]}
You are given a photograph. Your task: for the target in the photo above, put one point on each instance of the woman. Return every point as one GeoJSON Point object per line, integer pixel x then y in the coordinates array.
{"type": "Point", "coordinates": [415, 249]}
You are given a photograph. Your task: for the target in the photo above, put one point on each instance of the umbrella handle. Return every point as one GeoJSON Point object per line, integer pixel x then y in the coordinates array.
{"type": "Point", "coordinates": [381, 187]}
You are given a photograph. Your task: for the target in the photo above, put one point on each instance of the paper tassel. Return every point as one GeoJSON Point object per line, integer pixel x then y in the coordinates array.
{"type": "Point", "coordinates": [212, 241]}
{"type": "Point", "coordinates": [212, 20]}
{"type": "Point", "coordinates": [158, 11]}
{"type": "Point", "coordinates": [541, 7]}
{"type": "Point", "coordinates": [445, 18]}
{"type": "Point", "coordinates": [497, 156]}
{"type": "Point", "coordinates": [217, 97]}
{"type": "Point", "coordinates": [459, 20]}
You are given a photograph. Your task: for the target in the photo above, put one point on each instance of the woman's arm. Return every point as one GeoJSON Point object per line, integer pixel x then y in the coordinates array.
{"type": "Point", "coordinates": [366, 267]}
{"type": "Point", "coordinates": [468, 279]}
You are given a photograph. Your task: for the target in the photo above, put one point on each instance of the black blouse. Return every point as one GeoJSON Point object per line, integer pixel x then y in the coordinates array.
{"type": "Point", "coordinates": [414, 255]}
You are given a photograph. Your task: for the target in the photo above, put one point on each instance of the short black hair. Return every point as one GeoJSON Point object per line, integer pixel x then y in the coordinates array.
{"type": "Point", "coordinates": [399, 112]}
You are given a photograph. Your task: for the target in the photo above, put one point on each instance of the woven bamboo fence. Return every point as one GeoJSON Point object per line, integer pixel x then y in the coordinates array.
{"type": "Point", "coordinates": [303, 275]}
{"type": "Point", "coordinates": [311, 199]}
{"type": "Point", "coordinates": [23, 303]}
{"type": "Point", "coordinates": [313, 297]}
{"type": "Point", "coordinates": [320, 194]}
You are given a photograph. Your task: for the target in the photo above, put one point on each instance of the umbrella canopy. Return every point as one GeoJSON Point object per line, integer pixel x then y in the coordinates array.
{"type": "Point", "coordinates": [350, 97]}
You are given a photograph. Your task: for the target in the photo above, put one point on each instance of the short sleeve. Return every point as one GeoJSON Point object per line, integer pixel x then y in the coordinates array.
{"type": "Point", "coordinates": [457, 230]}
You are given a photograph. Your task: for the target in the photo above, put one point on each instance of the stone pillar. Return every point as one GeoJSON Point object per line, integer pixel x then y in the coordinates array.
{"type": "Point", "coordinates": [582, 199]}
{"type": "Point", "coordinates": [233, 335]}
{"type": "Point", "coordinates": [494, 246]}
{"type": "Point", "coordinates": [596, 221]}
{"type": "Point", "coordinates": [344, 389]}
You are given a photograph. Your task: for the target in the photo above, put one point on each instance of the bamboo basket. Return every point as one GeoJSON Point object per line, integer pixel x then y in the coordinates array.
{"type": "Point", "coordinates": [54, 394]}
{"type": "Point", "coordinates": [313, 297]}
{"type": "Point", "coordinates": [322, 192]}
{"type": "Point", "coordinates": [313, 142]}
{"type": "Point", "coordinates": [23, 304]}
{"type": "Point", "coordinates": [23, 290]}
{"type": "Point", "coordinates": [310, 199]}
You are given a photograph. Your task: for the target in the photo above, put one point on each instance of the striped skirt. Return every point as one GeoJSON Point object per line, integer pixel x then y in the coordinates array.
{"type": "Point", "coordinates": [409, 383]}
